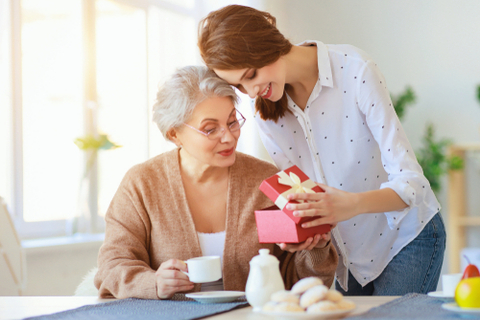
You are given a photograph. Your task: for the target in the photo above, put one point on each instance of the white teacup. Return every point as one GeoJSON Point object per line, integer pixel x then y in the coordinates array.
{"type": "Point", "coordinates": [204, 269]}
{"type": "Point", "coordinates": [450, 282]}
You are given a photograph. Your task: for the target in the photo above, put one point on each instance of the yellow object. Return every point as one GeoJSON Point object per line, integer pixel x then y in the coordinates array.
{"type": "Point", "coordinates": [467, 293]}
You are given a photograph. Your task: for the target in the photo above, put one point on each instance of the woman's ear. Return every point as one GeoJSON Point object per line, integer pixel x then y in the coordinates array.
{"type": "Point", "coordinates": [172, 135]}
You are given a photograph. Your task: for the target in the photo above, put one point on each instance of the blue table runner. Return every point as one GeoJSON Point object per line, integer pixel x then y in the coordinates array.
{"type": "Point", "coordinates": [413, 306]}
{"type": "Point", "coordinates": [178, 308]}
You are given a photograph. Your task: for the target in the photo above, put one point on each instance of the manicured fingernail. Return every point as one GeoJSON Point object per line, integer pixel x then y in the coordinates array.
{"type": "Point", "coordinates": [296, 213]}
{"type": "Point", "coordinates": [304, 225]}
{"type": "Point", "coordinates": [289, 207]}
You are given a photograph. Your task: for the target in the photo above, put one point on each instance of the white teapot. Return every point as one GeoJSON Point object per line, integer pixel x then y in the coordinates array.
{"type": "Point", "coordinates": [264, 279]}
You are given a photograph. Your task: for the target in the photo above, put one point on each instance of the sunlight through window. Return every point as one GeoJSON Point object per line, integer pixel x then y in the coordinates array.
{"type": "Point", "coordinates": [52, 107]}
{"type": "Point", "coordinates": [5, 103]}
{"type": "Point", "coordinates": [122, 91]}
{"type": "Point", "coordinates": [79, 69]}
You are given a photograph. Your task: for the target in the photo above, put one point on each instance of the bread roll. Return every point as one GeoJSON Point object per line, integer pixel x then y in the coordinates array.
{"type": "Point", "coordinates": [285, 296]}
{"type": "Point", "coordinates": [322, 306]}
{"type": "Point", "coordinates": [334, 296]}
{"type": "Point", "coordinates": [346, 304]}
{"type": "Point", "coordinates": [306, 283]}
{"type": "Point", "coordinates": [287, 307]}
{"type": "Point", "coordinates": [313, 295]}
{"type": "Point", "coordinates": [269, 306]}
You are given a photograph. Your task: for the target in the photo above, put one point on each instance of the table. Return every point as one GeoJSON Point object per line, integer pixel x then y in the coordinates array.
{"type": "Point", "coordinates": [22, 307]}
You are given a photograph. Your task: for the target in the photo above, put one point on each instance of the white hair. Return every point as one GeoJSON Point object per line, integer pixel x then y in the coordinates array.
{"type": "Point", "coordinates": [187, 88]}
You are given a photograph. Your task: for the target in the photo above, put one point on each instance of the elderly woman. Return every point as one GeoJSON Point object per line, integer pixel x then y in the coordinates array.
{"type": "Point", "coordinates": [198, 199]}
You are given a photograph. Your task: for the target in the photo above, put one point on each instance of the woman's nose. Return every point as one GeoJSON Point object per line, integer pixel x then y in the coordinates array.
{"type": "Point", "coordinates": [227, 136]}
{"type": "Point", "coordinates": [252, 91]}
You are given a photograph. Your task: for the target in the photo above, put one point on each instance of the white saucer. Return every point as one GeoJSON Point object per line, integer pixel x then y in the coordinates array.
{"type": "Point", "coordinates": [454, 307]}
{"type": "Point", "coordinates": [307, 316]}
{"type": "Point", "coordinates": [215, 296]}
{"type": "Point", "coordinates": [438, 294]}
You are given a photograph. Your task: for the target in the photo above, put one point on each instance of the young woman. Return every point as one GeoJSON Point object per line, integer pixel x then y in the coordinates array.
{"type": "Point", "coordinates": [327, 109]}
{"type": "Point", "coordinates": [195, 200]}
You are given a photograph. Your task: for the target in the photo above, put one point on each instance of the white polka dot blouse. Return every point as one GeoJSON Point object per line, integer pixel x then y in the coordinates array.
{"type": "Point", "coordinates": [349, 137]}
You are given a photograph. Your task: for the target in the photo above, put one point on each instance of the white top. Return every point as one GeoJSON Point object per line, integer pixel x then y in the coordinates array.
{"type": "Point", "coordinates": [349, 137]}
{"type": "Point", "coordinates": [212, 244]}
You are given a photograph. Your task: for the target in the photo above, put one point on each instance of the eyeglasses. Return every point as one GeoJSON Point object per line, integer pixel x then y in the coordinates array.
{"type": "Point", "coordinates": [218, 131]}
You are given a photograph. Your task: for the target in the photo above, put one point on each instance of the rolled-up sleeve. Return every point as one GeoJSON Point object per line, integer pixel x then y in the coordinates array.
{"type": "Point", "coordinates": [405, 175]}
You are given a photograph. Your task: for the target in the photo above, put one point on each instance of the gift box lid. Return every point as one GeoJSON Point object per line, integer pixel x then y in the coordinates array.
{"type": "Point", "coordinates": [291, 180]}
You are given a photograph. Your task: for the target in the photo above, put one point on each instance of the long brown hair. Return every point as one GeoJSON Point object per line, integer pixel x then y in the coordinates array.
{"type": "Point", "coordinates": [238, 37]}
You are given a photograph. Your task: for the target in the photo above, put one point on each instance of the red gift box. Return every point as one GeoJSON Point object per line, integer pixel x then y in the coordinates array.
{"type": "Point", "coordinates": [277, 224]}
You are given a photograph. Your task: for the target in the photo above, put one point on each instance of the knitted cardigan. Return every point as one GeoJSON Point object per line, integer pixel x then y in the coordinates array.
{"type": "Point", "coordinates": [149, 222]}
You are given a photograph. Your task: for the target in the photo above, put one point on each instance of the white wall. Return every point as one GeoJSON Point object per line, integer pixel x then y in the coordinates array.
{"type": "Point", "coordinates": [57, 270]}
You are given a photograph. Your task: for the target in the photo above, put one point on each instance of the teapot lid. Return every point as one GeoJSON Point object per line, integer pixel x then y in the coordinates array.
{"type": "Point", "coordinates": [264, 258]}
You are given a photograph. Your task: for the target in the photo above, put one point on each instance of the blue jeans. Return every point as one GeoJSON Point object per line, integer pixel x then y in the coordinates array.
{"type": "Point", "coordinates": [416, 268]}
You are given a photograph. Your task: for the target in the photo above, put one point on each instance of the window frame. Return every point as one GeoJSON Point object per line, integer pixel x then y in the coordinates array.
{"type": "Point", "coordinates": [15, 196]}
{"type": "Point", "coordinates": [53, 228]}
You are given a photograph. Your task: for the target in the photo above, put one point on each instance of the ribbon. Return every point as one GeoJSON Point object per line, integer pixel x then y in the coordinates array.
{"type": "Point", "coordinates": [297, 186]}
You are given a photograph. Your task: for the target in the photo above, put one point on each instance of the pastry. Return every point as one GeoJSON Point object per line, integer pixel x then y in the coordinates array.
{"type": "Point", "coordinates": [269, 306]}
{"type": "Point", "coordinates": [306, 283]}
{"type": "Point", "coordinates": [322, 306]}
{"type": "Point", "coordinates": [334, 296]}
{"type": "Point", "coordinates": [285, 296]}
{"type": "Point", "coordinates": [287, 307]}
{"type": "Point", "coordinates": [313, 295]}
{"type": "Point", "coordinates": [345, 304]}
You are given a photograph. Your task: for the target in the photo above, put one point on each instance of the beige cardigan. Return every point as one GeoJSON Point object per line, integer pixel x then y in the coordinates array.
{"type": "Point", "coordinates": [149, 222]}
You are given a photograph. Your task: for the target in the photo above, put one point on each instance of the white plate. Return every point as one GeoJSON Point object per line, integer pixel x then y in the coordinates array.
{"type": "Point", "coordinates": [215, 296]}
{"type": "Point", "coordinates": [454, 307]}
{"type": "Point", "coordinates": [439, 294]}
{"type": "Point", "coordinates": [337, 314]}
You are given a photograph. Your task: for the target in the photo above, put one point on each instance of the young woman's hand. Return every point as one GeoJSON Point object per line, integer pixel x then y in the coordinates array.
{"type": "Point", "coordinates": [332, 206]}
{"type": "Point", "coordinates": [318, 241]}
{"type": "Point", "coordinates": [171, 280]}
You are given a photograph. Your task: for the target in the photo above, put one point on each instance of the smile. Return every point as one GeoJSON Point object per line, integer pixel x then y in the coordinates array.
{"type": "Point", "coordinates": [267, 92]}
{"type": "Point", "coordinates": [227, 152]}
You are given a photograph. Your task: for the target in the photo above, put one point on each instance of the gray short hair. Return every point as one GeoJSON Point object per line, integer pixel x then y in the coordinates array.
{"type": "Point", "coordinates": [179, 95]}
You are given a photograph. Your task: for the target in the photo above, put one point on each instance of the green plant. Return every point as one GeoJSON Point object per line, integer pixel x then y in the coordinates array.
{"type": "Point", "coordinates": [433, 159]}
{"type": "Point", "coordinates": [92, 144]}
{"type": "Point", "coordinates": [402, 101]}
{"type": "Point", "coordinates": [432, 156]}
{"type": "Point", "coordinates": [478, 93]}
{"type": "Point", "coordinates": [89, 142]}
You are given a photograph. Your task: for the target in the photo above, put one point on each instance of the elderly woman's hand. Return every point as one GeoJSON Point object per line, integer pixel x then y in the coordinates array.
{"type": "Point", "coordinates": [318, 241]}
{"type": "Point", "coordinates": [170, 278]}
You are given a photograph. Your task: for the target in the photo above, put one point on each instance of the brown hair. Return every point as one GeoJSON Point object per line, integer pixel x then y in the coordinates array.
{"type": "Point", "coordinates": [238, 37]}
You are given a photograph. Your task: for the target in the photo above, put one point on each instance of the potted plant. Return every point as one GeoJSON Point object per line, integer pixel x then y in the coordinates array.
{"type": "Point", "coordinates": [86, 200]}
{"type": "Point", "coordinates": [432, 156]}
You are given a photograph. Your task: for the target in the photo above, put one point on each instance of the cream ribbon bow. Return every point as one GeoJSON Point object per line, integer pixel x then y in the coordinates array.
{"type": "Point", "coordinates": [296, 185]}
{"type": "Point", "coordinates": [293, 181]}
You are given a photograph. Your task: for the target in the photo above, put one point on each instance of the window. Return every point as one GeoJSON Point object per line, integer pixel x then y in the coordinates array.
{"type": "Point", "coordinates": [83, 68]}
{"type": "Point", "coordinates": [6, 145]}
